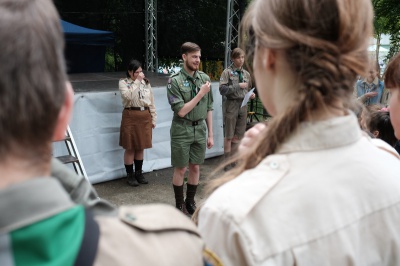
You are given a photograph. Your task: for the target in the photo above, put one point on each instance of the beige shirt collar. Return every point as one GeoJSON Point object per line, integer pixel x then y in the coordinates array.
{"type": "Point", "coordinates": [327, 134]}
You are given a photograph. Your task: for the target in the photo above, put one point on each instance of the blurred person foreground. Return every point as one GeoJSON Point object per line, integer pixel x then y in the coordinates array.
{"type": "Point", "coordinates": [51, 216]}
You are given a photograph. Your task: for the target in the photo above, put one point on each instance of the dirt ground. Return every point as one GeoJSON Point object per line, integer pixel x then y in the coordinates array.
{"type": "Point", "coordinates": [159, 189]}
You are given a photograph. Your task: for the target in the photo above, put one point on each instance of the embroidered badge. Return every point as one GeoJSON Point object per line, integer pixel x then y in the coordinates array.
{"type": "Point", "coordinates": [171, 99]}
{"type": "Point", "coordinates": [169, 86]}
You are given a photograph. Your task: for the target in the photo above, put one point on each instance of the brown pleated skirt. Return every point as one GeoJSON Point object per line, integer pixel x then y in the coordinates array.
{"type": "Point", "coordinates": [136, 130]}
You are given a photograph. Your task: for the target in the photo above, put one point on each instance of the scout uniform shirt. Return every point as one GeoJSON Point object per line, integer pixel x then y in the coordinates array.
{"type": "Point", "coordinates": [137, 94]}
{"type": "Point", "coordinates": [40, 225]}
{"type": "Point", "coordinates": [296, 209]}
{"type": "Point", "coordinates": [182, 88]}
{"type": "Point", "coordinates": [229, 83]}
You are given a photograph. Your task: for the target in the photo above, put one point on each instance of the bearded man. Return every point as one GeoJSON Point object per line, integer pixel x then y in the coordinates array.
{"type": "Point", "coordinates": [190, 96]}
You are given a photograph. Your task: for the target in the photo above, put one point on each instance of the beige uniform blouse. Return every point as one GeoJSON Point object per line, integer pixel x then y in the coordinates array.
{"type": "Point", "coordinates": [137, 94]}
{"type": "Point", "coordinates": [329, 196]}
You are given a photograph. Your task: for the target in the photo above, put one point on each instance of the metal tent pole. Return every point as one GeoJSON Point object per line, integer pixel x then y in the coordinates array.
{"type": "Point", "coordinates": [232, 28]}
{"type": "Point", "coordinates": [151, 35]}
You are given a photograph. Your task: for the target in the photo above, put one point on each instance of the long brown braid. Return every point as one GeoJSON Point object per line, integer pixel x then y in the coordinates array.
{"type": "Point", "coordinates": [324, 42]}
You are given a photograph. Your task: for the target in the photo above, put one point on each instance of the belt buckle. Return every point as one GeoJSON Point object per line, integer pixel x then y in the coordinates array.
{"type": "Point", "coordinates": [195, 123]}
{"type": "Point", "coordinates": [141, 108]}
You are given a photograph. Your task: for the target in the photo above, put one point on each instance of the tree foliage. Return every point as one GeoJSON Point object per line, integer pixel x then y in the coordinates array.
{"type": "Point", "coordinates": [125, 18]}
{"type": "Point", "coordinates": [387, 20]}
{"type": "Point", "coordinates": [178, 21]}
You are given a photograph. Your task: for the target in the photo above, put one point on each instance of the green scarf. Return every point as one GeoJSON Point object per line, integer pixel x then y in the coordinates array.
{"type": "Point", "coordinates": [240, 75]}
{"type": "Point", "coordinates": [193, 86]}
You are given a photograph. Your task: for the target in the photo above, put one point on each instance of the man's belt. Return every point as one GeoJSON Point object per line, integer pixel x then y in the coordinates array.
{"type": "Point", "coordinates": [188, 122]}
{"type": "Point", "coordinates": [137, 108]}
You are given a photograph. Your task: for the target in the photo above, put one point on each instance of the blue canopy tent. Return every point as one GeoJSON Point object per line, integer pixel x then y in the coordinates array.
{"type": "Point", "coordinates": [85, 48]}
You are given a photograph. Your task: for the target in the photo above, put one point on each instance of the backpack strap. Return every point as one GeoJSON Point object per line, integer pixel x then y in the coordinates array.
{"type": "Point", "coordinates": [87, 252]}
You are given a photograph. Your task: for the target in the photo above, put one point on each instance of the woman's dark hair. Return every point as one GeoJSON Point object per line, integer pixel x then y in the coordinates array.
{"type": "Point", "coordinates": [133, 65]}
{"type": "Point", "coordinates": [380, 121]}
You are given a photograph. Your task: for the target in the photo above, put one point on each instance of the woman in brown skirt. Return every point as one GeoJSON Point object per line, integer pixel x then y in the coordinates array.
{"type": "Point", "coordinates": [138, 119]}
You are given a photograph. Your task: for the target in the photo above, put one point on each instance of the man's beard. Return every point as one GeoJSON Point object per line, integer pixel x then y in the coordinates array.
{"type": "Point", "coordinates": [191, 68]}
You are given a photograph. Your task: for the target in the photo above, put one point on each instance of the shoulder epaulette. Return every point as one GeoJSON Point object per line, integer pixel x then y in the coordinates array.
{"type": "Point", "coordinates": [201, 73]}
{"type": "Point", "coordinates": [174, 74]}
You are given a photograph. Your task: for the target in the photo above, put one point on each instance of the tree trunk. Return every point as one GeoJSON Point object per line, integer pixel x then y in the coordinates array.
{"type": "Point", "coordinates": [378, 45]}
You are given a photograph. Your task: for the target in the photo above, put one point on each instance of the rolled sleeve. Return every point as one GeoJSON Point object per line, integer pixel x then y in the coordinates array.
{"type": "Point", "coordinates": [174, 96]}
{"type": "Point", "coordinates": [222, 236]}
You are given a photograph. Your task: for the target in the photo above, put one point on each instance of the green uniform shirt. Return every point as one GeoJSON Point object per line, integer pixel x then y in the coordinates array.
{"type": "Point", "coordinates": [182, 88]}
{"type": "Point", "coordinates": [229, 83]}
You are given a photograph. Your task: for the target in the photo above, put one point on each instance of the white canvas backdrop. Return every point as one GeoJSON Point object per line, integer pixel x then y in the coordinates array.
{"type": "Point", "coordinates": [95, 127]}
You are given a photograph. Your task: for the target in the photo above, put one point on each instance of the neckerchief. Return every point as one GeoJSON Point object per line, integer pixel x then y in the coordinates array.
{"type": "Point", "coordinates": [240, 73]}
{"type": "Point", "coordinates": [193, 86]}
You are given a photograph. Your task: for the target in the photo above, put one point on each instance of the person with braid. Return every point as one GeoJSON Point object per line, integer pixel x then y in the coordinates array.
{"type": "Point", "coordinates": [311, 188]}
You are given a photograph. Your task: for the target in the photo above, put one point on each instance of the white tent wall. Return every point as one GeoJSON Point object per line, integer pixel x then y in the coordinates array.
{"type": "Point", "coordinates": [96, 124]}
{"type": "Point", "coordinates": [383, 48]}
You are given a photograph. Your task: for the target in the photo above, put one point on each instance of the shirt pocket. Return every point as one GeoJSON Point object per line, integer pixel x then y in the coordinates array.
{"type": "Point", "coordinates": [234, 79]}
{"type": "Point", "coordinates": [186, 93]}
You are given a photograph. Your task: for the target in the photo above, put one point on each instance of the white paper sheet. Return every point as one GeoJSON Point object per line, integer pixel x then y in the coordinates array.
{"type": "Point", "coordinates": [247, 97]}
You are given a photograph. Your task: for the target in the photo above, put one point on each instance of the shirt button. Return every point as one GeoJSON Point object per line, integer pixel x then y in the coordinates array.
{"type": "Point", "coordinates": [274, 165]}
{"type": "Point", "coordinates": [130, 217]}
